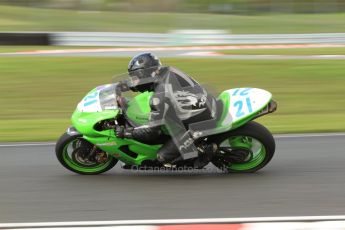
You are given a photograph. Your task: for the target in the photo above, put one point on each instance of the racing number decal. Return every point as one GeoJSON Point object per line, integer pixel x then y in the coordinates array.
{"type": "Point", "coordinates": [249, 105]}
{"type": "Point", "coordinates": [244, 92]}
{"type": "Point", "coordinates": [239, 103]}
{"type": "Point", "coordinates": [91, 99]}
{"type": "Point", "coordinates": [239, 112]}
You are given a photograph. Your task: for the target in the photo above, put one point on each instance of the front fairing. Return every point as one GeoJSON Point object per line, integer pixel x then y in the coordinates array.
{"type": "Point", "coordinates": [84, 122]}
{"type": "Point", "coordinates": [99, 104]}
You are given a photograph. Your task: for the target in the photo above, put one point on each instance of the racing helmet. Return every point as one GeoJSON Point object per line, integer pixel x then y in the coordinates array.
{"type": "Point", "coordinates": [142, 69]}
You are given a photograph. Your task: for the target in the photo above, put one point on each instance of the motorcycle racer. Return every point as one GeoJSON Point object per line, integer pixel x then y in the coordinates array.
{"type": "Point", "coordinates": [172, 121]}
{"type": "Point", "coordinates": [177, 103]}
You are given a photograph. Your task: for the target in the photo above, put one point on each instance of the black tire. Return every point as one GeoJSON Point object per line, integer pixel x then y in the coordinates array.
{"type": "Point", "coordinates": [253, 130]}
{"type": "Point", "coordinates": [65, 140]}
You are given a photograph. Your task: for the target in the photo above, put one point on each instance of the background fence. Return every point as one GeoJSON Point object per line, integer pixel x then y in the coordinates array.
{"type": "Point", "coordinates": [175, 38]}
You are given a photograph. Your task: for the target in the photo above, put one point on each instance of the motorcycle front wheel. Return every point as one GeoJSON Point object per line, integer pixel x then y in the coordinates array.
{"type": "Point", "coordinates": [80, 156]}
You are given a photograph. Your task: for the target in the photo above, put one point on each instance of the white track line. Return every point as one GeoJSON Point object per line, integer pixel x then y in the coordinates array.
{"type": "Point", "coordinates": [317, 225]}
{"type": "Point", "coordinates": [278, 136]}
{"type": "Point", "coordinates": [172, 221]}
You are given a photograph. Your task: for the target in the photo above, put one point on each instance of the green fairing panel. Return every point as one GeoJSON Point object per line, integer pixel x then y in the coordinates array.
{"type": "Point", "coordinates": [138, 110]}
{"type": "Point", "coordinates": [225, 122]}
{"type": "Point", "coordinates": [106, 139]}
{"type": "Point", "coordinates": [112, 145]}
{"type": "Point", "coordinates": [84, 122]}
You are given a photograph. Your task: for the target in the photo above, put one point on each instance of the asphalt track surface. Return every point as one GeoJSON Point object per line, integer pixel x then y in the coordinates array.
{"type": "Point", "coordinates": [306, 177]}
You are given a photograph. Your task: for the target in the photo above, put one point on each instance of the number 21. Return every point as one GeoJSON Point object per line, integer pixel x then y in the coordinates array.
{"type": "Point", "coordinates": [239, 105]}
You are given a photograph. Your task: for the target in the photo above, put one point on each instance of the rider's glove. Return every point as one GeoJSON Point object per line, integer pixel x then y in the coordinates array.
{"type": "Point", "coordinates": [195, 135]}
{"type": "Point", "coordinates": [122, 132]}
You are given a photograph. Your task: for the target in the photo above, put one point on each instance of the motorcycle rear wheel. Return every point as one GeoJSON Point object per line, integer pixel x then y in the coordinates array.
{"type": "Point", "coordinates": [253, 138]}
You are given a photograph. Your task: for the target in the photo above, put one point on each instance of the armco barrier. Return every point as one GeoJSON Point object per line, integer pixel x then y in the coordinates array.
{"type": "Point", "coordinates": [174, 38]}
{"type": "Point", "coordinates": [109, 39]}
{"type": "Point", "coordinates": [177, 38]}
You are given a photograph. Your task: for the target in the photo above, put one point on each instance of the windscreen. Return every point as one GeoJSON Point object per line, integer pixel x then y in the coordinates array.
{"type": "Point", "coordinates": [108, 98]}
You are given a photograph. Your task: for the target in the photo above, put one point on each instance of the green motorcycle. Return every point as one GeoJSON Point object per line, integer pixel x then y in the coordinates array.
{"type": "Point", "coordinates": [90, 145]}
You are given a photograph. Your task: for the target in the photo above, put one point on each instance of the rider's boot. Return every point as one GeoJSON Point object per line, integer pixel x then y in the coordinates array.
{"type": "Point", "coordinates": [168, 153]}
{"type": "Point", "coordinates": [206, 153]}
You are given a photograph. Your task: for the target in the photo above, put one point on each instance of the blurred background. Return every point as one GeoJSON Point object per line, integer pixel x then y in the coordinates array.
{"type": "Point", "coordinates": [52, 52]}
{"type": "Point", "coordinates": [190, 6]}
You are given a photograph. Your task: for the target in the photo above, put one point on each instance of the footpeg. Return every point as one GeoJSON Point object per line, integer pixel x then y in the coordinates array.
{"type": "Point", "coordinates": [170, 166]}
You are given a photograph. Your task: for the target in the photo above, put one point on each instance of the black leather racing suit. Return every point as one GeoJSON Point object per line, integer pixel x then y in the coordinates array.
{"type": "Point", "coordinates": [177, 102]}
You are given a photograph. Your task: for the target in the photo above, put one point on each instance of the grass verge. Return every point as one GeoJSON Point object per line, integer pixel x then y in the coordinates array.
{"type": "Point", "coordinates": [288, 51]}
{"type": "Point", "coordinates": [36, 19]}
{"type": "Point", "coordinates": [38, 94]}
{"type": "Point", "coordinates": [10, 49]}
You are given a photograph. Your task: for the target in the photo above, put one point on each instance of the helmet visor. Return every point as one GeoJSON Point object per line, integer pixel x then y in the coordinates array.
{"type": "Point", "coordinates": [144, 76]}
